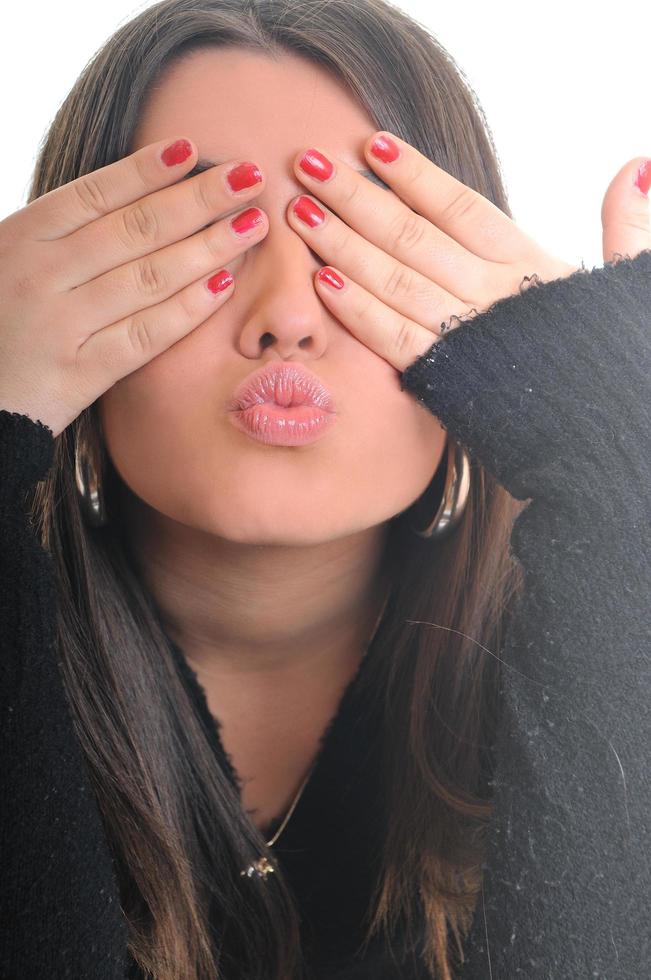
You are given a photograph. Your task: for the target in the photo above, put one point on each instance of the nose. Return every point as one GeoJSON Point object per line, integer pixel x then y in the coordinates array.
{"type": "Point", "coordinates": [282, 309]}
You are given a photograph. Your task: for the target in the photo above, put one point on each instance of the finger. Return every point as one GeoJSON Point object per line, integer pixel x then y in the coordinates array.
{"type": "Point", "coordinates": [394, 337]}
{"type": "Point", "coordinates": [154, 221]}
{"type": "Point", "coordinates": [65, 209]}
{"type": "Point", "coordinates": [397, 285]}
{"type": "Point", "coordinates": [387, 222]}
{"type": "Point", "coordinates": [462, 213]}
{"type": "Point", "coordinates": [153, 278]}
{"type": "Point", "coordinates": [121, 348]}
{"type": "Point", "coordinates": [625, 211]}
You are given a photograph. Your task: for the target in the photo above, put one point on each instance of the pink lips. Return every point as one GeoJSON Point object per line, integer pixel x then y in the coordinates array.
{"type": "Point", "coordinates": [282, 404]}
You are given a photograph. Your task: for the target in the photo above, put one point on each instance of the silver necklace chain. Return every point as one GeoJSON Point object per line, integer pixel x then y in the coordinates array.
{"type": "Point", "coordinates": [262, 866]}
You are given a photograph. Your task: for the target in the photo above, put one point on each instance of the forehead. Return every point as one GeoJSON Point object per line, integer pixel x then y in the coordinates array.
{"type": "Point", "coordinates": [236, 103]}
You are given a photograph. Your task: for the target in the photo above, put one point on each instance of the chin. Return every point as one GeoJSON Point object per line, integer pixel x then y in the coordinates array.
{"type": "Point", "coordinates": [281, 526]}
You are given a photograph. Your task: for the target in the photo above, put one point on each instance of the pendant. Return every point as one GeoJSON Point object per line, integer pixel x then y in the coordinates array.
{"type": "Point", "coordinates": [262, 867]}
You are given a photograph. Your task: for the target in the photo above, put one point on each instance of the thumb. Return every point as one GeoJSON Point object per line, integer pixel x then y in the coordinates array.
{"type": "Point", "coordinates": [626, 211]}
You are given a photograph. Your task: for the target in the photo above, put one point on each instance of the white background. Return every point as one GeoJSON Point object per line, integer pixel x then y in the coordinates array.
{"type": "Point", "coordinates": [565, 87]}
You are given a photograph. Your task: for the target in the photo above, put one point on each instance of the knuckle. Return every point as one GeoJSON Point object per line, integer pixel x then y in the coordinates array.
{"type": "Point", "coordinates": [212, 241]}
{"type": "Point", "coordinates": [364, 307]}
{"type": "Point", "coordinates": [139, 337]}
{"type": "Point", "coordinates": [91, 196]}
{"type": "Point", "coordinates": [340, 237]}
{"type": "Point", "coordinates": [403, 342]}
{"type": "Point", "coordinates": [639, 223]}
{"type": "Point", "coordinates": [150, 279]}
{"type": "Point", "coordinates": [188, 305]}
{"type": "Point", "coordinates": [203, 194]}
{"type": "Point", "coordinates": [408, 231]}
{"type": "Point", "coordinates": [461, 207]}
{"type": "Point", "coordinates": [139, 224]}
{"type": "Point", "coordinates": [399, 282]}
{"type": "Point", "coordinates": [416, 171]}
{"type": "Point", "coordinates": [141, 166]}
{"type": "Point", "coordinates": [351, 192]}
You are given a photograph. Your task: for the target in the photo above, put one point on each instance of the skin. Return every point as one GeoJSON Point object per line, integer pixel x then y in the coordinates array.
{"type": "Point", "coordinates": [266, 561]}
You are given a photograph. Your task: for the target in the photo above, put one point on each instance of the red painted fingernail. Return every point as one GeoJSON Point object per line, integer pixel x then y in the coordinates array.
{"type": "Point", "coordinates": [176, 153]}
{"type": "Point", "coordinates": [385, 149]}
{"type": "Point", "coordinates": [247, 221]}
{"type": "Point", "coordinates": [316, 165]}
{"type": "Point", "coordinates": [643, 180]}
{"type": "Point", "coordinates": [309, 212]}
{"type": "Point", "coordinates": [330, 277]}
{"type": "Point", "coordinates": [244, 175]}
{"type": "Point", "coordinates": [220, 281]}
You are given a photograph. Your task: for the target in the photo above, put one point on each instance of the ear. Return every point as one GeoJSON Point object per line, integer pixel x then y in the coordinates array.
{"type": "Point", "coordinates": [626, 211]}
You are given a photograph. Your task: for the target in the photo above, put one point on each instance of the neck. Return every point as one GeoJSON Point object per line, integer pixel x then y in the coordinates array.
{"type": "Point", "coordinates": [239, 608]}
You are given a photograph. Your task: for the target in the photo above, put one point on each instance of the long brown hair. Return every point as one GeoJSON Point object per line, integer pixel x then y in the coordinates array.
{"type": "Point", "coordinates": [176, 828]}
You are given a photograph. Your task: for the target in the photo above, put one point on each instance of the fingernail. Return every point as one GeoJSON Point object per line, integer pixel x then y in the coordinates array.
{"type": "Point", "coordinates": [385, 149]}
{"type": "Point", "coordinates": [643, 180]}
{"type": "Point", "coordinates": [176, 153]}
{"type": "Point", "coordinates": [309, 212]}
{"type": "Point", "coordinates": [244, 175]}
{"type": "Point", "coordinates": [220, 281]}
{"type": "Point", "coordinates": [247, 221]}
{"type": "Point", "coordinates": [316, 165]}
{"type": "Point", "coordinates": [330, 278]}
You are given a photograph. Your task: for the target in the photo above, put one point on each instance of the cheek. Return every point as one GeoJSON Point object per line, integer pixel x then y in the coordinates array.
{"type": "Point", "coordinates": [393, 455]}
{"type": "Point", "coordinates": [180, 391]}
{"type": "Point", "coordinates": [157, 421]}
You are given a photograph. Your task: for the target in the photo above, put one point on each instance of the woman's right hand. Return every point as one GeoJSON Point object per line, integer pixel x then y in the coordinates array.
{"type": "Point", "coordinates": [101, 275]}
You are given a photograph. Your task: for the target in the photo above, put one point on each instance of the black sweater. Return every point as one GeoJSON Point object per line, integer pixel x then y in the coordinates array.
{"type": "Point", "coordinates": [549, 390]}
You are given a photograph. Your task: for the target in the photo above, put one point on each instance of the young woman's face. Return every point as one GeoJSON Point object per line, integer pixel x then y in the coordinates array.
{"type": "Point", "coordinates": [166, 425]}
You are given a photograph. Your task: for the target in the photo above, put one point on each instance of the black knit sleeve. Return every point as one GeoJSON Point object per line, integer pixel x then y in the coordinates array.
{"type": "Point", "coordinates": [550, 391]}
{"type": "Point", "coordinates": [60, 914]}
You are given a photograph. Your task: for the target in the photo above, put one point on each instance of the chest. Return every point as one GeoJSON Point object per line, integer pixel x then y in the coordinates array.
{"type": "Point", "coordinates": [272, 734]}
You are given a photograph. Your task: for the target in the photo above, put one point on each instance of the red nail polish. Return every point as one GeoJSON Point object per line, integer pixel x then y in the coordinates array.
{"type": "Point", "coordinates": [643, 180]}
{"type": "Point", "coordinates": [247, 221]}
{"type": "Point", "coordinates": [316, 165]}
{"type": "Point", "coordinates": [244, 175]}
{"type": "Point", "coordinates": [220, 281]}
{"type": "Point", "coordinates": [309, 212]}
{"type": "Point", "coordinates": [176, 153]}
{"type": "Point", "coordinates": [330, 277]}
{"type": "Point", "coordinates": [385, 149]}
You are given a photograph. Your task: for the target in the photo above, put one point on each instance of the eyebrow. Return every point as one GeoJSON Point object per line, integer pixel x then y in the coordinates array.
{"type": "Point", "coordinates": [202, 165]}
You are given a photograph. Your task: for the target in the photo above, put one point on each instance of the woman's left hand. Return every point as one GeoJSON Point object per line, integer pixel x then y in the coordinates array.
{"type": "Point", "coordinates": [410, 262]}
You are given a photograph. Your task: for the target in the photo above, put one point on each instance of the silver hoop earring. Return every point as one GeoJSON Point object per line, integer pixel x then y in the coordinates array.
{"type": "Point", "coordinates": [89, 482]}
{"type": "Point", "coordinates": [455, 495]}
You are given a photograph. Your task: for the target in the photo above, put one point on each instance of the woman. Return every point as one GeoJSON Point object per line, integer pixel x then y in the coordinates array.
{"type": "Point", "coordinates": [278, 700]}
